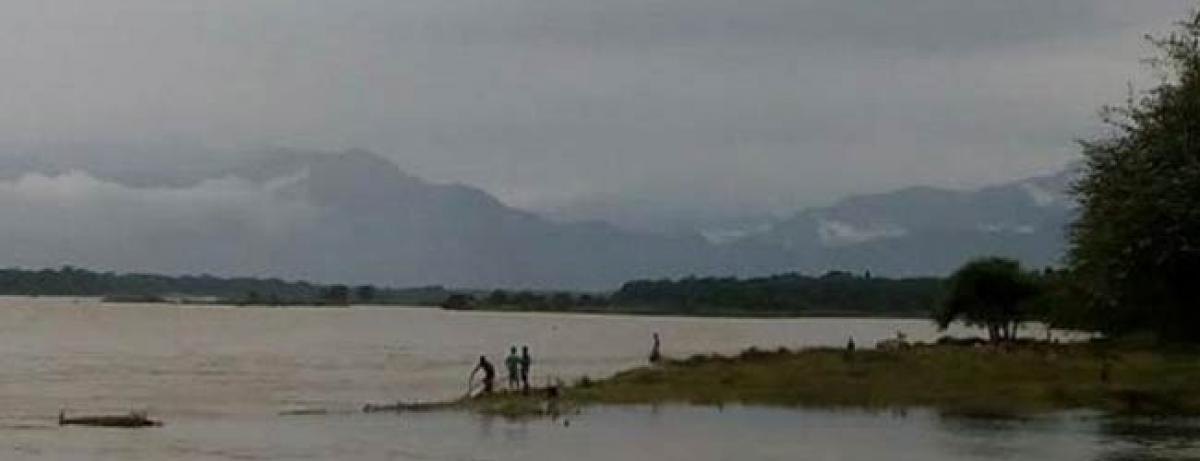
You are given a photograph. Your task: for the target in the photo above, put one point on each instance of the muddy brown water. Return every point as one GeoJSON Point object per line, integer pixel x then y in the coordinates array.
{"type": "Point", "coordinates": [220, 377]}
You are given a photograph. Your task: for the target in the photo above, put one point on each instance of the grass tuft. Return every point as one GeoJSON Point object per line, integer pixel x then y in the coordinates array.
{"type": "Point", "coordinates": [960, 380]}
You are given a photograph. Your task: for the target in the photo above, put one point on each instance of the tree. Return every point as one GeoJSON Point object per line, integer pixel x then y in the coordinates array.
{"type": "Point", "coordinates": [252, 298]}
{"type": "Point", "coordinates": [458, 301]}
{"type": "Point", "coordinates": [338, 295]}
{"type": "Point", "coordinates": [1135, 246]}
{"type": "Point", "coordinates": [365, 293]}
{"type": "Point", "coordinates": [993, 293]}
{"type": "Point", "coordinates": [1061, 302]}
{"type": "Point", "coordinates": [498, 298]}
{"type": "Point", "coordinates": [561, 300]}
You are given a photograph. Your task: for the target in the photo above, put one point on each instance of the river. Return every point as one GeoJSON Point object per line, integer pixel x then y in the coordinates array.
{"type": "Point", "coordinates": [220, 377]}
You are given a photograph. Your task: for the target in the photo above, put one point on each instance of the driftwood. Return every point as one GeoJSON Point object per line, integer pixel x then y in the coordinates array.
{"type": "Point", "coordinates": [401, 407]}
{"type": "Point", "coordinates": [131, 420]}
{"type": "Point", "coordinates": [304, 412]}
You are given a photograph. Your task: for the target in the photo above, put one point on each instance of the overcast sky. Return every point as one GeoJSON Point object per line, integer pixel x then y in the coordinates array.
{"type": "Point", "coordinates": [746, 106]}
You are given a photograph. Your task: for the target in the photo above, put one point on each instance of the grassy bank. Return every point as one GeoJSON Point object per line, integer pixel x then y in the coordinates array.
{"type": "Point", "coordinates": [973, 381]}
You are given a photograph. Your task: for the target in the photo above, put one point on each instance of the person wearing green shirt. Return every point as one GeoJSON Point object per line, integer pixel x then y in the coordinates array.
{"type": "Point", "coordinates": [526, 362]}
{"type": "Point", "coordinates": [513, 363]}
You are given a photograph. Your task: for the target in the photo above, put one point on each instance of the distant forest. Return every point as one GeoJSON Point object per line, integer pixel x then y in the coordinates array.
{"type": "Point", "coordinates": [835, 293]}
{"type": "Point", "coordinates": [71, 281]}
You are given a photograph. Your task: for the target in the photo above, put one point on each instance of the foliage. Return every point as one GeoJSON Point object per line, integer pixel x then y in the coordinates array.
{"type": "Point", "coordinates": [1135, 248]}
{"type": "Point", "coordinates": [837, 293]}
{"type": "Point", "coordinates": [336, 295]}
{"type": "Point", "coordinates": [365, 293]}
{"type": "Point", "coordinates": [72, 281]}
{"type": "Point", "coordinates": [458, 301]}
{"type": "Point", "coordinates": [974, 381]}
{"type": "Point", "coordinates": [1061, 302]}
{"type": "Point", "coordinates": [834, 292]}
{"type": "Point", "coordinates": [993, 293]}
{"type": "Point", "coordinates": [542, 301]}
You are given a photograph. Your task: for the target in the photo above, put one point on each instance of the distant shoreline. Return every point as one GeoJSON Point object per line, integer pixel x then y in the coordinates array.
{"type": "Point", "coordinates": [704, 313]}
{"type": "Point", "coordinates": [624, 311]}
{"type": "Point", "coordinates": [609, 310]}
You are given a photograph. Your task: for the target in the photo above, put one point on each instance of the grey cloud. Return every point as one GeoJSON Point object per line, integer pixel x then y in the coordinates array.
{"type": "Point", "coordinates": [922, 26]}
{"type": "Point", "coordinates": [75, 218]}
{"type": "Point", "coordinates": [754, 106]}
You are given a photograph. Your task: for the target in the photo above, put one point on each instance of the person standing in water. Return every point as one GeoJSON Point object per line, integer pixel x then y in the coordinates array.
{"type": "Point", "coordinates": [526, 362]}
{"type": "Point", "coordinates": [489, 374]}
{"type": "Point", "coordinates": [655, 355]}
{"type": "Point", "coordinates": [513, 364]}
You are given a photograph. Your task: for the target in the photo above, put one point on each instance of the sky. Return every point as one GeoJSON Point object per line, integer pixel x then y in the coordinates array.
{"type": "Point", "coordinates": [707, 107]}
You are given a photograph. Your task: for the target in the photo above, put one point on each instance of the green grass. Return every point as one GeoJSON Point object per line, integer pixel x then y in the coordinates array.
{"type": "Point", "coordinates": [972, 381]}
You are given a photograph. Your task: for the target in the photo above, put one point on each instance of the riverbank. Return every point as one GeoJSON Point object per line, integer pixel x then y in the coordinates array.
{"type": "Point", "coordinates": [701, 313]}
{"type": "Point", "coordinates": [970, 381]}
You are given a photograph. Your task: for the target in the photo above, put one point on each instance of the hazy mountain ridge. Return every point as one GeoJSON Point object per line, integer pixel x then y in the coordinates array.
{"type": "Point", "coordinates": [356, 217]}
{"type": "Point", "coordinates": [927, 230]}
{"type": "Point", "coordinates": [351, 217]}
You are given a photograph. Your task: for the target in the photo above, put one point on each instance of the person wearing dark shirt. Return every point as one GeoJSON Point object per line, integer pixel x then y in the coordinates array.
{"type": "Point", "coordinates": [655, 353]}
{"type": "Point", "coordinates": [526, 362]}
{"type": "Point", "coordinates": [513, 364]}
{"type": "Point", "coordinates": [489, 374]}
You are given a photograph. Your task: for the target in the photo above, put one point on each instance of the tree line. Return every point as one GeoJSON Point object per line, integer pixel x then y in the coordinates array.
{"type": "Point", "coordinates": [73, 281]}
{"type": "Point", "coordinates": [786, 294]}
{"type": "Point", "coordinates": [793, 294]}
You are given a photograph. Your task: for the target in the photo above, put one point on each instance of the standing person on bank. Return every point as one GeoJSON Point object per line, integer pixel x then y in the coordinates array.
{"type": "Point", "coordinates": [526, 363]}
{"type": "Point", "coordinates": [513, 364]}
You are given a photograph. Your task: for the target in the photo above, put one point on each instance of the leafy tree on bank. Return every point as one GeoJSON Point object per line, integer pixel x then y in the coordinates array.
{"type": "Point", "coordinates": [993, 293]}
{"type": "Point", "coordinates": [1135, 248]}
{"type": "Point", "coordinates": [498, 298]}
{"type": "Point", "coordinates": [458, 301]}
{"type": "Point", "coordinates": [336, 295]}
{"type": "Point", "coordinates": [365, 293]}
{"type": "Point", "coordinates": [1060, 304]}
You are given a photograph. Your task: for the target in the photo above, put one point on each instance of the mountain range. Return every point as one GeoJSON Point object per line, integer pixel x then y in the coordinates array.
{"type": "Point", "coordinates": [356, 217]}
{"type": "Point", "coordinates": [926, 230]}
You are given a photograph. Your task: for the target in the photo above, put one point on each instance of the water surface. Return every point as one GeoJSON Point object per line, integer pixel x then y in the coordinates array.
{"type": "Point", "coordinates": [220, 376]}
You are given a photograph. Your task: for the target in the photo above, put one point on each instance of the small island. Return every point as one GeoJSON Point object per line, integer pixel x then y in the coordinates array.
{"type": "Point", "coordinates": [1014, 381]}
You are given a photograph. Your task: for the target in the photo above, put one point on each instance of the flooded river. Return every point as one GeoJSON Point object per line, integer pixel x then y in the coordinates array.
{"type": "Point", "coordinates": [221, 376]}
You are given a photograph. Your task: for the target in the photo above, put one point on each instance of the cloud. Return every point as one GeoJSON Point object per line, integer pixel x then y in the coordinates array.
{"type": "Point", "coordinates": [739, 107]}
{"type": "Point", "coordinates": [212, 226]}
{"type": "Point", "coordinates": [835, 233]}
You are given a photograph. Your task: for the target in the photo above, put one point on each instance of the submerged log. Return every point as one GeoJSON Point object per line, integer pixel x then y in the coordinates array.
{"type": "Point", "coordinates": [304, 412]}
{"type": "Point", "coordinates": [131, 420]}
{"type": "Point", "coordinates": [400, 407]}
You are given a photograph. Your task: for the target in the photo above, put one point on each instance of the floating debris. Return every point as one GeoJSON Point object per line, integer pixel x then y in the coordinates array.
{"type": "Point", "coordinates": [400, 407]}
{"type": "Point", "coordinates": [305, 412]}
{"type": "Point", "coordinates": [131, 420]}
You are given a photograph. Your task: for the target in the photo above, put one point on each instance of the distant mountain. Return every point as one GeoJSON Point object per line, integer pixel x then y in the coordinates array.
{"type": "Point", "coordinates": [645, 214]}
{"type": "Point", "coordinates": [376, 221]}
{"type": "Point", "coordinates": [352, 217]}
{"type": "Point", "coordinates": [356, 217]}
{"type": "Point", "coordinates": [929, 231]}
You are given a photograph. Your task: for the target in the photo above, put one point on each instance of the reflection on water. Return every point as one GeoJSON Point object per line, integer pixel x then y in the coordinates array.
{"type": "Point", "coordinates": [219, 377]}
{"type": "Point", "coordinates": [1151, 439]}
